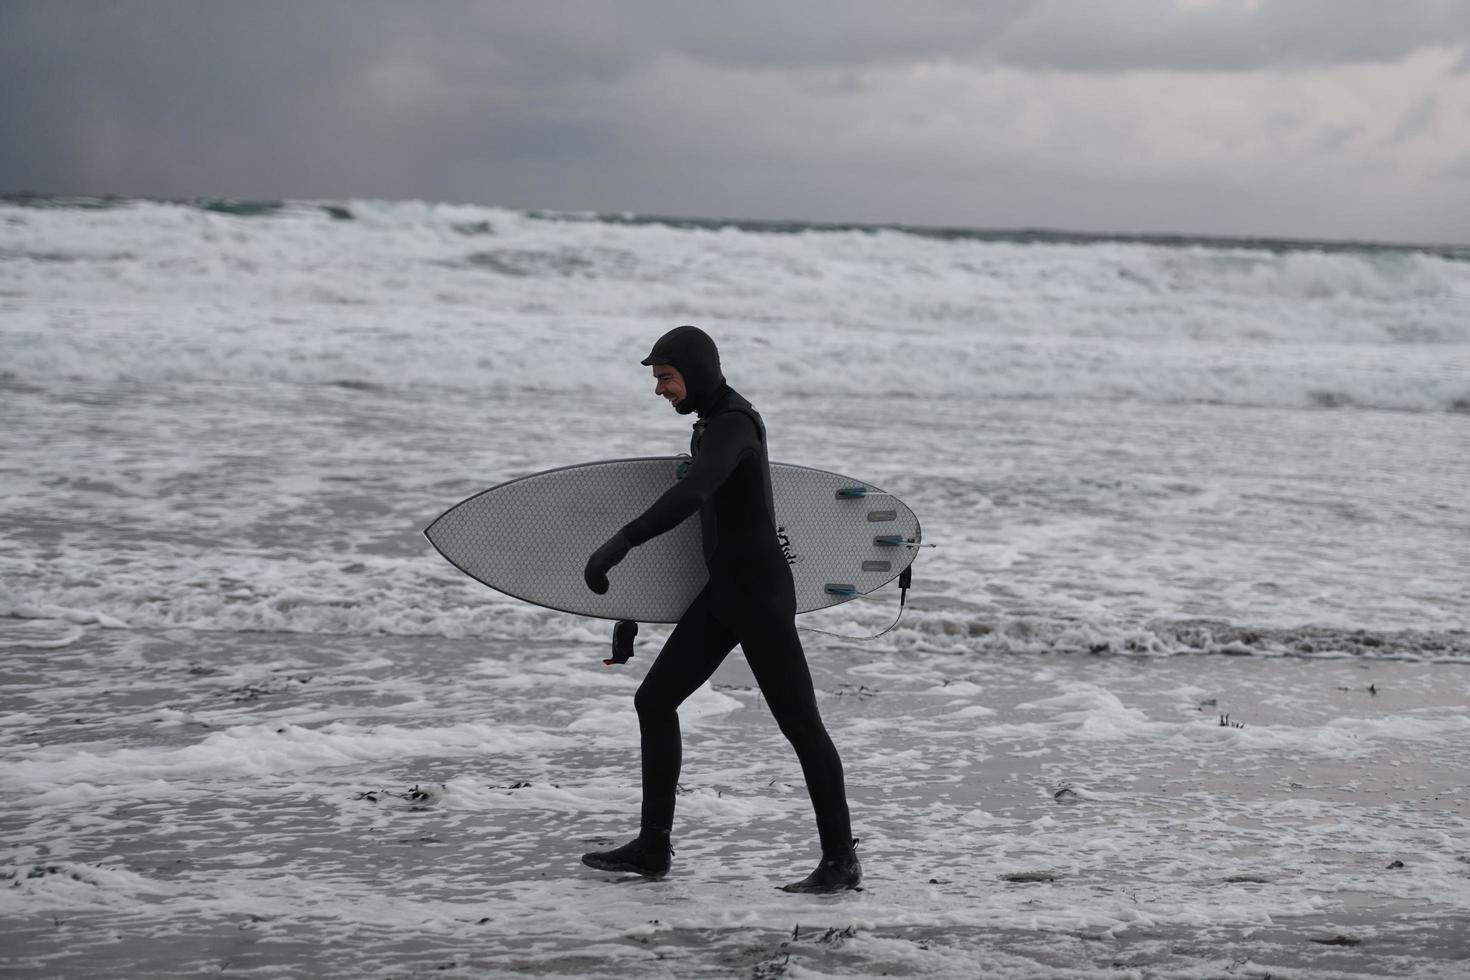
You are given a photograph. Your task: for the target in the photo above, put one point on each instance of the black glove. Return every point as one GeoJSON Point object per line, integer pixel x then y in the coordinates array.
{"type": "Point", "coordinates": [602, 561]}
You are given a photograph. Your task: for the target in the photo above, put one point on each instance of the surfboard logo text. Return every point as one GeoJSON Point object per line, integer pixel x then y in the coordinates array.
{"type": "Point", "coordinates": [786, 550]}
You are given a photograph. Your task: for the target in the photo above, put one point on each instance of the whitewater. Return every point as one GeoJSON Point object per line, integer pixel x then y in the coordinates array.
{"type": "Point", "coordinates": [1177, 487]}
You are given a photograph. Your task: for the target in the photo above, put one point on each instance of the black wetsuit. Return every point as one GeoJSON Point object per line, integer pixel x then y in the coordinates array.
{"type": "Point", "coordinates": [749, 600]}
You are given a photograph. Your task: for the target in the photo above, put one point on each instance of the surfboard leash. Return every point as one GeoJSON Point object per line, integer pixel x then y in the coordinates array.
{"type": "Point", "coordinates": [626, 630]}
{"type": "Point", "coordinates": [905, 581]}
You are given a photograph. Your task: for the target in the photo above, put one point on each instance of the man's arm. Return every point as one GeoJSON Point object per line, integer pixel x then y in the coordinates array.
{"type": "Point", "coordinates": [726, 441]}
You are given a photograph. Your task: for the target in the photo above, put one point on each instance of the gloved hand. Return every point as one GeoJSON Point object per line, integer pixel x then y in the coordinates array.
{"type": "Point", "coordinates": [602, 561]}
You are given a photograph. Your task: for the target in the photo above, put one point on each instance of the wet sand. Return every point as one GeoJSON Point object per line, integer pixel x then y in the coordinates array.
{"type": "Point", "coordinates": [284, 805]}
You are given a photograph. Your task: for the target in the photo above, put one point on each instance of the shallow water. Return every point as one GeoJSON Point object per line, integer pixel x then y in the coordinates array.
{"type": "Point", "coordinates": [185, 803]}
{"type": "Point", "coordinates": [1175, 488]}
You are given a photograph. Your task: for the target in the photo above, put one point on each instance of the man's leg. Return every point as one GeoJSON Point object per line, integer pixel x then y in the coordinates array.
{"type": "Point", "coordinates": [690, 656]}
{"type": "Point", "coordinates": [773, 650]}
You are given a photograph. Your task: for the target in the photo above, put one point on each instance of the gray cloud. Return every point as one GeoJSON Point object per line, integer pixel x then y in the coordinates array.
{"type": "Point", "coordinates": [927, 111]}
{"type": "Point", "coordinates": [1419, 118]}
{"type": "Point", "coordinates": [1228, 35]}
{"type": "Point", "coordinates": [604, 38]}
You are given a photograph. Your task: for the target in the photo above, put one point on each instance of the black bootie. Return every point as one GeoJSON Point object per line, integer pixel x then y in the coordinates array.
{"type": "Point", "coordinates": [838, 872]}
{"type": "Point", "coordinates": [648, 855]}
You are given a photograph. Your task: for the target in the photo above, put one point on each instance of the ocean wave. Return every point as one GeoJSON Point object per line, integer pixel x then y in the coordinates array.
{"type": "Point", "coordinates": [1023, 236]}
{"type": "Point", "coordinates": [411, 295]}
{"type": "Point", "coordinates": [1164, 637]}
{"type": "Point", "coordinates": [402, 613]}
{"type": "Point", "coordinates": [350, 210]}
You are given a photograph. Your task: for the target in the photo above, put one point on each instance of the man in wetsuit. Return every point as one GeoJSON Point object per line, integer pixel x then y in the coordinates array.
{"type": "Point", "coordinates": [749, 600]}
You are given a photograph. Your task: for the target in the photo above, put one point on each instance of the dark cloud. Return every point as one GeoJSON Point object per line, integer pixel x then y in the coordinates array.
{"type": "Point", "coordinates": [161, 98]}
{"type": "Point", "coordinates": [602, 39]}
{"type": "Point", "coordinates": [840, 109]}
{"type": "Point", "coordinates": [782, 34]}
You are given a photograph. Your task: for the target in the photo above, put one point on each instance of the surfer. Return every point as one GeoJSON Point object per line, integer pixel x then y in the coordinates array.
{"type": "Point", "coordinates": [749, 600]}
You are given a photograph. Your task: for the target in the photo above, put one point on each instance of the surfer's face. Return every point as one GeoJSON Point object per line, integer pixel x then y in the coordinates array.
{"type": "Point", "coordinates": [670, 383]}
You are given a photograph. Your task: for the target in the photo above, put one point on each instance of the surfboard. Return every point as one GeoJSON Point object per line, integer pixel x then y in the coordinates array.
{"type": "Point", "coordinates": [530, 538]}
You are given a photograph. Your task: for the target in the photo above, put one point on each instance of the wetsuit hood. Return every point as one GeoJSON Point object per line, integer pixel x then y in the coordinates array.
{"type": "Point", "coordinates": [693, 352]}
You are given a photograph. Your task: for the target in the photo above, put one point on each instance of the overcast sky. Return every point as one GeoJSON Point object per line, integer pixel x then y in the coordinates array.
{"type": "Point", "coordinates": [1314, 118]}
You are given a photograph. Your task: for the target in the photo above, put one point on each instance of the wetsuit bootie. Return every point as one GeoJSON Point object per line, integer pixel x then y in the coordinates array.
{"type": "Point", "coordinates": [837, 872]}
{"type": "Point", "coordinates": [648, 855]}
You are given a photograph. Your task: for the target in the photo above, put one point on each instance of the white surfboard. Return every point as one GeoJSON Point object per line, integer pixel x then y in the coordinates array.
{"type": "Point", "coordinates": [531, 537]}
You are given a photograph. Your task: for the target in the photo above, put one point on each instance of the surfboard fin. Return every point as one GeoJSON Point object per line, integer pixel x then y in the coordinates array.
{"type": "Point", "coordinates": [905, 582]}
{"type": "Point", "coordinates": [622, 644]}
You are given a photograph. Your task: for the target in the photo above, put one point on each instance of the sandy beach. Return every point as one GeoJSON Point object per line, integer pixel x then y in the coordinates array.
{"type": "Point", "coordinates": [188, 803]}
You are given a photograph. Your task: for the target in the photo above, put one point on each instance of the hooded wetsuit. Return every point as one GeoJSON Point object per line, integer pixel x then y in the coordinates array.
{"type": "Point", "coordinates": [749, 599]}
